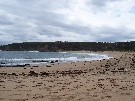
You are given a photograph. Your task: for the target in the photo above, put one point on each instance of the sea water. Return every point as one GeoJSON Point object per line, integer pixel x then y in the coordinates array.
{"type": "Point", "coordinates": [8, 58]}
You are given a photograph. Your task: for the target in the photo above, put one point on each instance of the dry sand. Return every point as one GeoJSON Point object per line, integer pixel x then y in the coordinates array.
{"type": "Point", "coordinates": [100, 80]}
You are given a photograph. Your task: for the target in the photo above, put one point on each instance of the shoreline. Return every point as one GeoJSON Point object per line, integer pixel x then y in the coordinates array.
{"type": "Point", "coordinates": [41, 62]}
{"type": "Point", "coordinates": [96, 80]}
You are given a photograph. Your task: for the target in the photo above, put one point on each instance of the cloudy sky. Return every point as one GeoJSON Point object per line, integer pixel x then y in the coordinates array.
{"type": "Point", "coordinates": [66, 20]}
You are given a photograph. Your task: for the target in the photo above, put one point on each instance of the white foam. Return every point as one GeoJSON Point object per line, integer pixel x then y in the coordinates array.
{"type": "Point", "coordinates": [92, 57]}
{"type": "Point", "coordinates": [62, 52]}
{"type": "Point", "coordinates": [33, 51]}
{"type": "Point", "coordinates": [67, 57]}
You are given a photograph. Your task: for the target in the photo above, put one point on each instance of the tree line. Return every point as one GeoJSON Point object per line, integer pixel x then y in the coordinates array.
{"type": "Point", "coordinates": [69, 46]}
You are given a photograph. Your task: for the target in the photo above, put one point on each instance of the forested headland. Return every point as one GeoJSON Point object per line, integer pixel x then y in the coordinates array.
{"type": "Point", "coordinates": [69, 46]}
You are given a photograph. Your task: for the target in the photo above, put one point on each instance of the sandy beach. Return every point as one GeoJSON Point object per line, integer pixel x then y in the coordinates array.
{"type": "Point", "coordinates": [98, 80]}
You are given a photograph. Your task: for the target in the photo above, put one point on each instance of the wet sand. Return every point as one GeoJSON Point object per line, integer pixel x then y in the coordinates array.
{"type": "Point", "coordinates": [99, 80]}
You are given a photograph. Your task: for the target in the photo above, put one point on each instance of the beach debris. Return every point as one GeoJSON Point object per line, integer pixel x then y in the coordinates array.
{"type": "Point", "coordinates": [14, 74]}
{"type": "Point", "coordinates": [32, 73]}
{"type": "Point", "coordinates": [52, 61]}
{"type": "Point", "coordinates": [3, 73]}
{"type": "Point", "coordinates": [23, 74]}
{"type": "Point", "coordinates": [56, 60]}
{"type": "Point", "coordinates": [44, 74]}
{"type": "Point", "coordinates": [48, 65]}
{"type": "Point", "coordinates": [2, 63]}
{"type": "Point", "coordinates": [35, 66]}
{"type": "Point", "coordinates": [2, 81]}
{"type": "Point", "coordinates": [40, 61]}
{"type": "Point", "coordinates": [121, 69]}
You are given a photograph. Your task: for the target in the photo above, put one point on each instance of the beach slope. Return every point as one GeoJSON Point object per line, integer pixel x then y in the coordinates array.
{"type": "Point", "coordinates": [98, 80]}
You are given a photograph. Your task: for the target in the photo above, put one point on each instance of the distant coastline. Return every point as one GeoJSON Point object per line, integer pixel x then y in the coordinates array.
{"type": "Point", "coordinates": [59, 46]}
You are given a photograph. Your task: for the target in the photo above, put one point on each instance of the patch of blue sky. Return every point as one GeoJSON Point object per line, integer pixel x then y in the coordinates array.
{"type": "Point", "coordinates": [132, 10]}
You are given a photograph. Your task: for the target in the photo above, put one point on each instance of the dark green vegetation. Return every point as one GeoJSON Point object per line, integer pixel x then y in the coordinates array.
{"type": "Point", "coordinates": [69, 46]}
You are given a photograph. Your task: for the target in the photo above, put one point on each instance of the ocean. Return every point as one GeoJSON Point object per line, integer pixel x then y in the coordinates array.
{"type": "Point", "coordinates": [13, 58]}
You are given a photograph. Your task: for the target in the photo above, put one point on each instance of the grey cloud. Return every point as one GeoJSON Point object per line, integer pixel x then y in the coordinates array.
{"type": "Point", "coordinates": [78, 29]}
{"type": "Point", "coordinates": [115, 39]}
{"type": "Point", "coordinates": [49, 32]}
{"type": "Point", "coordinates": [30, 20]}
{"type": "Point", "coordinates": [99, 5]}
{"type": "Point", "coordinates": [4, 22]}
{"type": "Point", "coordinates": [4, 42]}
{"type": "Point", "coordinates": [41, 14]}
{"type": "Point", "coordinates": [5, 19]}
{"type": "Point", "coordinates": [85, 30]}
{"type": "Point", "coordinates": [115, 34]}
{"type": "Point", "coordinates": [56, 22]}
